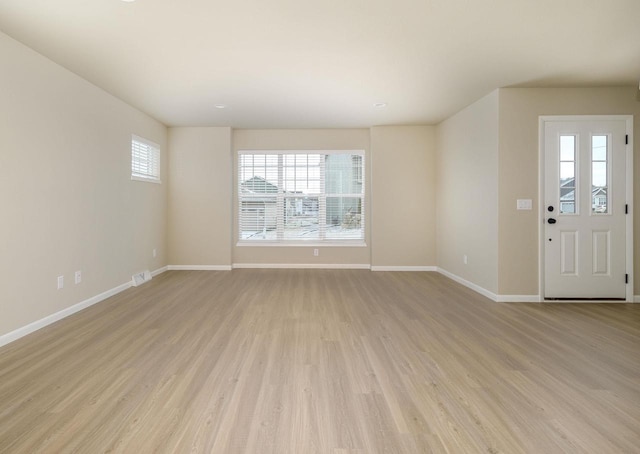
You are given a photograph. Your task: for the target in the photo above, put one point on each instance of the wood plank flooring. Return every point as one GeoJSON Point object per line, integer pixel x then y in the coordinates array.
{"type": "Point", "coordinates": [323, 361]}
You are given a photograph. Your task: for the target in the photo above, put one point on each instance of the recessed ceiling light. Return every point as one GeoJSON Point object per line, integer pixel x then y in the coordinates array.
{"type": "Point", "coordinates": [380, 105]}
{"type": "Point", "coordinates": [128, 1]}
{"type": "Point", "coordinates": [220, 106]}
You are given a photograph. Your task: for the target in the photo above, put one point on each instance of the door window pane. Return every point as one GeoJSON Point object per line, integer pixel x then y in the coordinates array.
{"type": "Point", "coordinates": [567, 174]}
{"type": "Point", "coordinates": [599, 170]}
{"type": "Point", "coordinates": [567, 148]}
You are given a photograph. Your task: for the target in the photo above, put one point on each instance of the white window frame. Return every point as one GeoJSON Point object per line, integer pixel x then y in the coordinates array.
{"type": "Point", "coordinates": [322, 197]}
{"type": "Point", "coordinates": [145, 160]}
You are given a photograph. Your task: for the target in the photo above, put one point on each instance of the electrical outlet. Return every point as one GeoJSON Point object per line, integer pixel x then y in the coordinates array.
{"type": "Point", "coordinates": [464, 259]}
{"type": "Point", "coordinates": [155, 253]}
{"type": "Point", "coordinates": [78, 277]}
{"type": "Point", "coordinates": [60, 282]}
{"type": "Point", "coordinates": [316, 253]}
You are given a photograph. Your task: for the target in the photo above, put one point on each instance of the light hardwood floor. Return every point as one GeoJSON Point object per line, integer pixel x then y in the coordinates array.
{"type": "Point", "coordinates": [323, 361]}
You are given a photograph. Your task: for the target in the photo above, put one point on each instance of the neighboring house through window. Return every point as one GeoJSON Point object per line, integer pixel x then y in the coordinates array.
{"type": "Point", "coordinates": [568, 197]}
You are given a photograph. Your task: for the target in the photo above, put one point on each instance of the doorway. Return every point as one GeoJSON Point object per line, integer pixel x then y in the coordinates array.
{"type": "Point", "coordinates": [586, 179]}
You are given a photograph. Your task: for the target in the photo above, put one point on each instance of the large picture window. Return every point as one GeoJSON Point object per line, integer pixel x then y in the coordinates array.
{"type": "Point", "coordinates": [301, 196]}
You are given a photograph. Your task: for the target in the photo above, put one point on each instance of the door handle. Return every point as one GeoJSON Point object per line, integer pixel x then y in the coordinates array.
{"type": "Point", "coordinates": [551, 221]}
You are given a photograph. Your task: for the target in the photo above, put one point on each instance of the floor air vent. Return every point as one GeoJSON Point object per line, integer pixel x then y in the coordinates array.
{"type": "Point", "coordinates": [140, 278]}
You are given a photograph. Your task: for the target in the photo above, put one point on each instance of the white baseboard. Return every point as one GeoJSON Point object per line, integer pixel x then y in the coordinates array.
{"type": "Point", "coordinates": [514, 298]}
{"type": "Point", "coordinates": [38, 324]}
{"type": "Point", "coordinates": [159, 271]}
{"type": "Point", "coordinates": [34, 326]}
{"type": "Point", "coordinates": [323, 266]}
{"type": "Point", "coordinates": [403, 268]}
{"type": "Point", "coordinates": [48, 320]}
{"type": "Point", "coordinates": [518, 298]}
{"type": "Point", "coordinates": [476, 288]}
{"type": "Point", "coordinates": [199, 267]}
{"type": "Point", "coordinates": [587, 301]}
{"type": "Point", "coordinates": [492, 296]}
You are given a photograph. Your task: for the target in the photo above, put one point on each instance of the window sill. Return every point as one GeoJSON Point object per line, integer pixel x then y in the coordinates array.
{"type": "Point", "coordinates": [146, 180]}
{"type": "Point", "coordinates": [316, 244]}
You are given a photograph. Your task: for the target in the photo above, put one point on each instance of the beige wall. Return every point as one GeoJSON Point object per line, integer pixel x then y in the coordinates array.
{"type": "Point", "coordinates": [520, 109]}
{"type": "Point", "coordinates": [403, 196]}
{"type": "Point", "coordinates": [301, 139]}
{"type": "Point", "coordinates": [200, 188]}
{"type": "Point", "coordinates": [200, 196]}
{"type": "Point", "coordinates": [68, 202]}
{"type": "Point", "coordinates": [467, 193]}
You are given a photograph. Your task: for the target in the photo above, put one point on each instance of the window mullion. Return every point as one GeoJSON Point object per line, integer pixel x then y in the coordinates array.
{"type": "Point", "coordinates": [280, 200]}
{"type": "Point", "coordinates": [322, 202]}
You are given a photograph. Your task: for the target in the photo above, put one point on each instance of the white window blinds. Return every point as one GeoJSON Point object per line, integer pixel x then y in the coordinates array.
{"type": "Point", "coordinates": [302, 196]}
{"type": "Point", "coordinates": [145, 160]}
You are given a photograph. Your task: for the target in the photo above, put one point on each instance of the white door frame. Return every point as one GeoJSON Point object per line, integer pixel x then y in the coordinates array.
{"type": "Point", "coordinates": [629, 193]}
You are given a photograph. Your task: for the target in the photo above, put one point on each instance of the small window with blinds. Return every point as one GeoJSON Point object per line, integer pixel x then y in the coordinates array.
{"type": "Point", "coordinates": [145, 160]}
{"type": "Point", "coordinates": [301, 197]}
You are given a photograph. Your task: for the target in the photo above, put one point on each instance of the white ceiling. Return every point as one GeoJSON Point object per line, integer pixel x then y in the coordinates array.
{"type": "Point", "coordinates": [301, 63]}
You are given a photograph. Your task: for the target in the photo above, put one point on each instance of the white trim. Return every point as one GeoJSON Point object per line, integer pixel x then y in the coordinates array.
{"type": "Point", "coordinates": [541, 202]}
{"type": "Point", "coordinates": [323, 266]}
{"type": "Point", "coordinates": [484, 292]}
{"type": "Point", "coordinates": [159, 271]}
{"type": "Point", "coordinates": [38, 324]}
{"type": "Point", "coordinates": [629, 239]}
{"type": "Point", "coordinates": [518, 299]}
{"type": "Point", "coordinates": [282, 195]}
{"type": "Point", "coordinates": [199, 267]}
{"type": "Point", "coordinates": [403, 268]}
{"type": "Point", "coordinates": [356, 151]}
{"type": "Point", "coordinates": [542, 119]}
{"type": "Point", "coordinates": [146, 180]}
{"type": "Point", "coordinates": [292, 243]}
{"type": "Point", "coordinates": [585, 301]}
{"type": "Point", "coordinates": [476, 288]}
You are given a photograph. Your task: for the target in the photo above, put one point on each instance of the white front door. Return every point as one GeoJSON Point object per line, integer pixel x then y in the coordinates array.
{"type": "Point", "coordinates": [585, 197]}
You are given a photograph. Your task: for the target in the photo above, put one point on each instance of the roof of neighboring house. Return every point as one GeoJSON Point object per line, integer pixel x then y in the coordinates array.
{"type": "Point", "coordinates": [259, 185]}
{"type": "Point", "coordinates": [595, 191]}
{"type": "Point", "coordinates": [567, 182]}
{"type": "Point", "coordinates": [569, 196]}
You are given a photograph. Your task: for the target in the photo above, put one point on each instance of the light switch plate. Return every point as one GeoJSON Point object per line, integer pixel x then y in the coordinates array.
{"type": "Point", "coordinates": [524, 204]}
